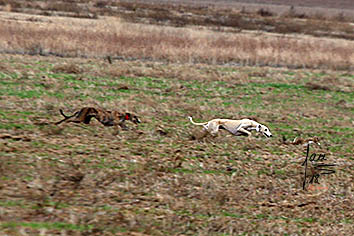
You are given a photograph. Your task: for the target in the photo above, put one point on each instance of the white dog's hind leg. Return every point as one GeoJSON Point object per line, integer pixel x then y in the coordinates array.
{"type": "Point", "coordinates": [213, 128]}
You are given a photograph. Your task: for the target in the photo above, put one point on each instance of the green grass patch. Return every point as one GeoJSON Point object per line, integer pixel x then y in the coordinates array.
{"type": "Point", "coordinates": [21, 93]}
{"type": "Point", "coordinates": [46, 225]}
{"type": "Point", "coordinates": [233, 215]}
{"type": "Point", "coordinates": [16, 126]}
{"type": "Point", "coordinates": [11, 203]}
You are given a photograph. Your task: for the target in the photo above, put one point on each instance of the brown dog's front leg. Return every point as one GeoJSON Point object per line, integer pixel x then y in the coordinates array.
{"type": "Point", "coordinates": [123, 125]}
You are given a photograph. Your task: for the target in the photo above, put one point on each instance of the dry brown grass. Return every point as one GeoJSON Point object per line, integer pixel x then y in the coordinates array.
{"type": "Point", "coordinates": [112, 36]}
{"type": "Point", "coordinates": [283, 18]}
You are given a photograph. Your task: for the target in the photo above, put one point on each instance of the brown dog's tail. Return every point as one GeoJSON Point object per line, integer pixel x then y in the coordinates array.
{"type": "Point", "coordinates": [65, 116]}
{"type": "Point", "coordinates": [62, 113]}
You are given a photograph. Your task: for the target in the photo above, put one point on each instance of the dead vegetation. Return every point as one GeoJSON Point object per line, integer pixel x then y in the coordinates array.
{"type": "Point", "coordinates": [221, 16]}
{"type": "Point", "coordinates": [120, 40]}
{"type": "Point", "coordinates": [67, 68]}
{"type": "Point", "coordinates": [176, 33]}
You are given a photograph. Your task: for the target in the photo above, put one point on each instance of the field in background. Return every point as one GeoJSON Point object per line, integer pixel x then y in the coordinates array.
{"type": "Point", "coordinates": [283, 19]}
{"type": "Point", "coordinates": [109, 36]}
{"type": "Point", "coordinates": [171, 32]}
{"type": "Point", "coordinates": [158, 178]}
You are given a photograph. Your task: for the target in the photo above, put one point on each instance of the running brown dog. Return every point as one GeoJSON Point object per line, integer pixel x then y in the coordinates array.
{"type": "Point", "coordinates": [107, 118]}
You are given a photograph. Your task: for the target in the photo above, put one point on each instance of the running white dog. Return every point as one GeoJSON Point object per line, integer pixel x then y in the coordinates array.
{"type": "Point", "coordinates": [236, 127]}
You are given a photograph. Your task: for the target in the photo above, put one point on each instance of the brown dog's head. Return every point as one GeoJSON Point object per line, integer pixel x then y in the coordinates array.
{"type": "Point", "coordinates": [133, 118]}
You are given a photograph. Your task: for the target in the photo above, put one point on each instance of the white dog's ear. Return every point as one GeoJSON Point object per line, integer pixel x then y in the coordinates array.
{"type": "Point", "coordinates": [258, 128]}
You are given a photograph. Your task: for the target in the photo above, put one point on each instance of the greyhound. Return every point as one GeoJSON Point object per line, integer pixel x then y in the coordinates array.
{"type": "Point", "coordinates": [107, 118]}
{"type": "Point", "coordinates": [236, 127]}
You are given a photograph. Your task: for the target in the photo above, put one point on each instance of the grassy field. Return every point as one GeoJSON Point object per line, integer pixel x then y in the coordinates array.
{"type": "Point", "coordinates": [160, 177]}
{"type": "Point", "coordinates": [156, 178]}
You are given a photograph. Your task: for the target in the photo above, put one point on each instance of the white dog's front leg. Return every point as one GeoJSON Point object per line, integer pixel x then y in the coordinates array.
{"type": "Point", "coordinates": [241, 126]}
{"type": "Point", "coordinates": [249, 134]}
{"type": "Point", "coordinates": [239, 130]}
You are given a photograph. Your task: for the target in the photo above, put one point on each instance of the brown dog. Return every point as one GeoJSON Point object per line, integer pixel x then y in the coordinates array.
{"type": "Point", "coordinates": [107, 118]}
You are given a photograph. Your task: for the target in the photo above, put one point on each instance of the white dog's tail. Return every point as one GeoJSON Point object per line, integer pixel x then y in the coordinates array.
{"type": "Point", "coordinates": [190, 118]}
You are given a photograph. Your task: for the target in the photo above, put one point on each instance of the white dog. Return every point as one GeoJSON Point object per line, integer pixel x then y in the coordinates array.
{"type": "Point", "coordinates": [236, 127]}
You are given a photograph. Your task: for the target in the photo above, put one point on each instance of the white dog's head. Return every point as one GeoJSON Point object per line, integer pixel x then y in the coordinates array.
{"type": "Point", "coordinates": [264, 130]}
